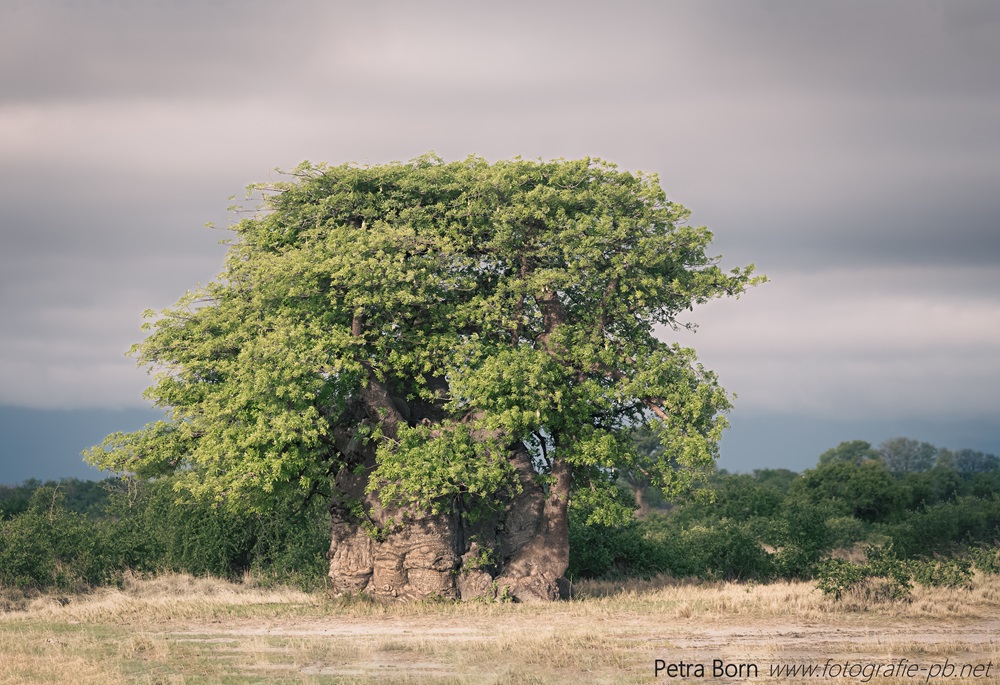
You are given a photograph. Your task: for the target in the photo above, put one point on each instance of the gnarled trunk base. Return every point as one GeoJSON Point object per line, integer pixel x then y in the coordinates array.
{"type": "Point", "coordinates": [390, 554]}
{"type": "Point", "coordinates": [417, 562]}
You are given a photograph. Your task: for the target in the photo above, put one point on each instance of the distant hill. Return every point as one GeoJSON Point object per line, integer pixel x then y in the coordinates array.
{"type": "Point", "coordinates": [46, 443]}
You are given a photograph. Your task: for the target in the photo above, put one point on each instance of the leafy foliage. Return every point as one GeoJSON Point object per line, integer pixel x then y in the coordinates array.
{"type": "Point", "coordinates": [513, 302]}
{"type": "Point", "coordinates": [836, 576]}
{"type": "Point", "coordinates": [882, 577]}
{"type": "Point", "coordinates": [950, 572]}
{"type": "Point", "coordinates": [852, 452]}
{"type": "Point", "coordinates": [48, 546]}
{"type": "Point", "coordinates": [921, 525]}
{"type": "Point", "coordinates": [905, 455]}
{"type": "Point", "coordinates": [947, 526]}
{"type": "Point", "coordinates": [144, 528]}
{"type": "Point", "coordinates": [986, 559]}
{"type": "Point", "coordinates": [79, 496]}
{"type": "Point", "coordinates": [866, 491]}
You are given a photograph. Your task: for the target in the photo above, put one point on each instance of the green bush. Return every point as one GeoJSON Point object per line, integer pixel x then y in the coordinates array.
{"type": "Point", "coordinates": [78, 496]}
{"type": "Point", "coordinates": [836, 576]}
{"type": "Point", "coordinates": [660, 544]}
{"type": "Point", "coordinates": [739, 497]}
{"type": "Point", "coordinates": [866, 491]}
{"type": "Point", "coordinates": [946, 527]}
{"type": "Point", "coordinates": [158, 531]}
{"type": "Point", "coordinates": [950, 572]}
{"type": "Point", "coordinates": [883, 577]}
{"type": "Point", "coordinates": [145, 529]}
{"type": "Point", "coordinates": [727, 551]}
{"type": "Point", "coordinates": [845, 531]}
{"type": "Point", "coordinates": [47, 546]}
{"type": "Point", "coordinates": [599, 551]}
{"type": "Point", "coordinates": [290, 544]}
{"type": "Point", "coordinates": [804, 537]}
{"type": "Point", "coordinates": [986, 559]}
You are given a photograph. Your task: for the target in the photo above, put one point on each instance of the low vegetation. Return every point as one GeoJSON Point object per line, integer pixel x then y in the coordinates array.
{"type": "Point", "coordinates": [846, 523]}
{"type": "Point", "coordinates": [122, 582]}
{"type": "Point", "coordinates": [934, 520]}
{"type": "Point", "coordinates": [144, 528]}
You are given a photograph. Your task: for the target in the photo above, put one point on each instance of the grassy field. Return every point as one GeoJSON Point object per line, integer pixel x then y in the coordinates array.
{"type": "Point", "coordinates": [178, 629]}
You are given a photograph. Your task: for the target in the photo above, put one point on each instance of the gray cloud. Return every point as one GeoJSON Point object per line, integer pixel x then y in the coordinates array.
{"type": "Point", "coordinates": [57, 51]}
{"type": "Point", "coordinates": [855, 343]}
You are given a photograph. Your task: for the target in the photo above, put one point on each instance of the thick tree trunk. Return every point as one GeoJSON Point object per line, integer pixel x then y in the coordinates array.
{"type": "Point", "coordinates": [641, 505]}
{"type": "Point", "coordinates": [388, 552]}
{"type": "Point", "coordinates": [534, 570]}
{"type": "Point", "coordinates": [394, 554]}
{"type": "Point", "coordinates": [639, 486]}
{"type": "Point", "coordinates": [391, 553]}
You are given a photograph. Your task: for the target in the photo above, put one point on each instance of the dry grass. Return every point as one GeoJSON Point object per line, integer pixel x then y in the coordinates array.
{"type": "Point", "coordinates": [179, 629]}
{"type": "Point", "coordinates": [170, 597]}
{"type": "Point", "coordinates": [799, 599]}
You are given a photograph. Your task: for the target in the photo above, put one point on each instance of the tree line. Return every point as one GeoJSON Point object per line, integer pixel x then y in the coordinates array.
{"type": "Point", "coordinates": [73, 535]}
{"type": "Point", "coordinates": [908, 496]}
{"type": "Point", "coordinates": [774, 523]}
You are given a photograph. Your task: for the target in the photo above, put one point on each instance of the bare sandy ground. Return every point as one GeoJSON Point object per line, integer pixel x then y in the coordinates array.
{"type": "Point", "coordinates": [179, 629]}
{"type": "Point", "coordinates": [629, 649]}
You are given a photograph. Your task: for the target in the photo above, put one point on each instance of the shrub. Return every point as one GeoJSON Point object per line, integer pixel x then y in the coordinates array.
{"type": "Point", "coordinates": [884, 563]}
{"type": "Point", "coordinates": [845, 531]}
{"type": "Point", "coordinates": [157, 531]}
{"type": "Point", "coordinates": [290, 544]}
{"type": "Point", "coordinates": [946, 527]}
{"type": "Point", "coordinates": [145, 529]}
{"type": "Point", "coordinates": [805, 537]}
{"type": "Point", "coordinates": [727, 551]}
{"type": "Point", "coordinates": [952, 572]}
{"type": "Point", "coordinates": [986, 559]}
{"type": "Point", "coordinates": [47, 546]}
{"type": "Point", "coordinates": [836, 576]}
{"type": "Point", "coordinates": [599, 551]}
{"type": "Point", "coordinates": [883, 577]}
{"type": "Point", "coordinates": [866, 491]}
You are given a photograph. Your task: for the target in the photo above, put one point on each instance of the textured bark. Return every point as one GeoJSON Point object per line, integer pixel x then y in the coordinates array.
{"type": "Point", "coordinates": [540, 554]}
{"type": "Point", "coordinates": [394, 554]}
{"type": "Point", "coordinates": [387, 552]}
{"type": "Point", "coordinates": [519, 552]}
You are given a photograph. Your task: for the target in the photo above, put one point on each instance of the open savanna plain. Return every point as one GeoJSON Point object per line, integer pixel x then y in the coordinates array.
{"type": "Point", "coordinates": [174, 629]}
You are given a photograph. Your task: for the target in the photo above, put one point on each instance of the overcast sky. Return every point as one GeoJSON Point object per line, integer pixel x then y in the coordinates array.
{"type": "Point", "coordinates": [851, 150]}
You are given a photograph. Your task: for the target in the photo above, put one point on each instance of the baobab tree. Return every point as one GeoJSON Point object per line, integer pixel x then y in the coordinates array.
{"type": "Point", "coordinates": [450, 352]}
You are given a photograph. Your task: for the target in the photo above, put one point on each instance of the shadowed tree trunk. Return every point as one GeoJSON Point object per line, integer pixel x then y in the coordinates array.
{"type": "Point", "coordinates": [535, 569]}
{"type": "Point", "coordinates": [394, 553]}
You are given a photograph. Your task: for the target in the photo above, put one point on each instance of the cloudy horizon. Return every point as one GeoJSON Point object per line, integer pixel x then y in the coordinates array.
{"type": "Point", "coordinates": [848, 149]}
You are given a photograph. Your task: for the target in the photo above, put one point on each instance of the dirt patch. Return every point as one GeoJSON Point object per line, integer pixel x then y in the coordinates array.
{"type": "Point", "coordinates": [571, 648]}
{"type": "Point", "coordinates": [762, 633]}
{"type": "Point", "coordinates": [349, 628]}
